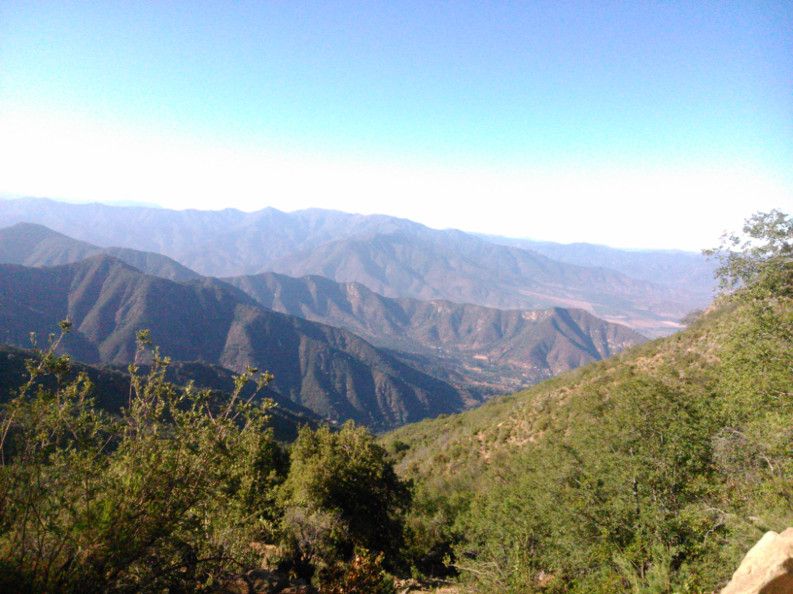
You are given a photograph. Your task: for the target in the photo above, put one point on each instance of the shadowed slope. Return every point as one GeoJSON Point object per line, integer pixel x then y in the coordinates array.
{"type": "Point", "coordinates": [330, 371]}
{"type": "Point", "coordinates": [501, 350]}
{"type": "Point", "coordinates": [36, 245]}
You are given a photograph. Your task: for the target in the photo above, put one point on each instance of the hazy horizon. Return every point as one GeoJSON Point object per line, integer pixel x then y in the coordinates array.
{"type": "Point", "coordinates": [149, 205]}
{"type": "Point", "coordinates": [641, 126]}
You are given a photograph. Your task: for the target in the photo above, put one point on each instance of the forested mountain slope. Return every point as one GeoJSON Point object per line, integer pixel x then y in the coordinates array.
{"type": "Point", "coordinates": [653, 471]}
{"type": "Point", "coordinates": [330, 371]}
{"type": "Point", "coordinates": [498, 350]}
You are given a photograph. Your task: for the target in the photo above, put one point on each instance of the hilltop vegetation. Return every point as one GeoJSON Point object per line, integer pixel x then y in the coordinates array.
{"type": "Point", "coordinates": [111, 387]}
{"type": "Point", "coordinates": [650, 472]}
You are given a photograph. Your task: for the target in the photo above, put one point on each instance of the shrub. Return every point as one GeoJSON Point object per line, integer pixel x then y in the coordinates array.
{"type": "Point", "coordinates": [343, 479]}
{"type": "Point", "coordinates": [362, 575]}
{"type": "Point", "coordinates": [169, 494]}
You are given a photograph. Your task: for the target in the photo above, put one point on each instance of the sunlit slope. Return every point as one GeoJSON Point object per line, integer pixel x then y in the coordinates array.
{"type": "Point", "coordinates": [506, 425]}
{"type": "Point", "coordinates": [666, 462]}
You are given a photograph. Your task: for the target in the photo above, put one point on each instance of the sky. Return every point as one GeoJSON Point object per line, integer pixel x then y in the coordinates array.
{"type": "Point", "coordinates": [632, 124]}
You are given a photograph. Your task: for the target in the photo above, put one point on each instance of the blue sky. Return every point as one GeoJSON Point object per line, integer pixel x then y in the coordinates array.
{"type": "Point", "coordinates": [497, 117]}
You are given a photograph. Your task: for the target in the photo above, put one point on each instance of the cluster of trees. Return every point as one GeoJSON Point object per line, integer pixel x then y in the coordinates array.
{"type": "Point", "coordinates": [183, 490]}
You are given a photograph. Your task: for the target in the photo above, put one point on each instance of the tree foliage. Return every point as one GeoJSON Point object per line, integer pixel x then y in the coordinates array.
{"type": "Point", "coordinates": [343, 487]}
{"type": "Point", "coordinates": [166, 495]}
{"type": "Point", "coordinates": [765, 242]}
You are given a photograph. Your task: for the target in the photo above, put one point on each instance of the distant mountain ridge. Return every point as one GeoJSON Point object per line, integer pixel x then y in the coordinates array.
{"type": "Point", "coordinates": [488, 350]}
{"type": "Point", "coordinates": [674, 268]}
{"type": "Point", "coordinates": [396, 257]}
{"type": "Point", "coordinates": [498, 350]}
{"type": "Point", "coordinates": [29, 244]}
{"type": "Point", "coordinates": [213, 243]}
{"type": "Point", "coordinates": [330, 371]}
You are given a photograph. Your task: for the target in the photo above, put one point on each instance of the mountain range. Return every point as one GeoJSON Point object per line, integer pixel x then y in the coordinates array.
{"type": "Point", "coordinates": [330, 371]}
{"type": "Point", "coordinates": [394, 257]}
{"type": "Point", "coordinates": [371, 318]}
{"type": "Point", "coordinates": [483, 350]}
{"type": "Point", "coordinates": [495, 350]}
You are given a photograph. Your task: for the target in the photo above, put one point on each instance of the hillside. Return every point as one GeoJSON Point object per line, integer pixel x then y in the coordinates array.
{"type": "Point", "coordinates": [658, 468]}
{"type": "Point", "coordinates": [29, 244]}
{"type": "Point", "coordinates": [499, 351]}
{"type": "Point", "coordinates": [457, 267]}
{"type": "Point", "coordinates": [685, 270]}
{"type": "Point", "coordinates": [329, 371]}
{"type": "Point", "coordinates": [111, 387]}
{"type": "Point", "coordinates": [395, 257]}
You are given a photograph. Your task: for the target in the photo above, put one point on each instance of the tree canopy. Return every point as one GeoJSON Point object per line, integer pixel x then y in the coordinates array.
{"type": "Point", "coordinates": [766, 240]}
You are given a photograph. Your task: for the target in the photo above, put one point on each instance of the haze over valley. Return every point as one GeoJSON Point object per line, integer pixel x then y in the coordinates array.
{"type": "Point", "coordinates": [394, 257]}
{"type": "Point", "coordinates": [376, 359]}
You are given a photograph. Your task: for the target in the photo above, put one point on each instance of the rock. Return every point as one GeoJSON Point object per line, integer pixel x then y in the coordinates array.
{"type": "Point", "coordinates": [767, 567]}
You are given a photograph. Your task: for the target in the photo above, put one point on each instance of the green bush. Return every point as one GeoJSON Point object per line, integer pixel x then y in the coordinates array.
{"type": "Point", "coordinates": [343, 488]}
{"type": "Point", "coordinates": [168, 495]}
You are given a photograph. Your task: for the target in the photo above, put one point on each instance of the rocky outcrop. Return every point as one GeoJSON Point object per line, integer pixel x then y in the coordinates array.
{"type": "Point", "coordinates": [767, 567]}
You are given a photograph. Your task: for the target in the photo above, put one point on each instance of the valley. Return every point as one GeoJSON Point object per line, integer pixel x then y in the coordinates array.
{"type": "Point", "coordinates": [613, 459]}
{"type": "Point", "coordinates": [467, 352]}
{"type": "Point", "coordinates": [500, 350]}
